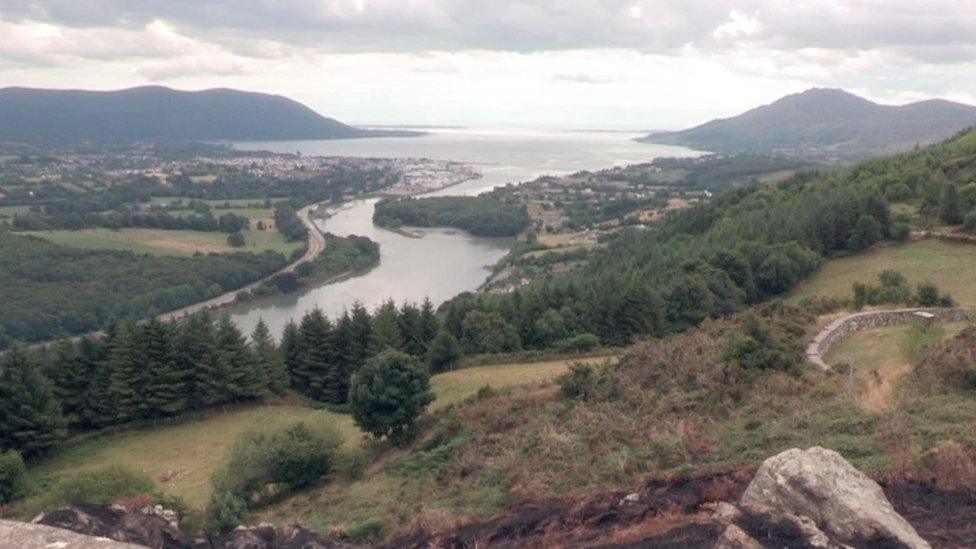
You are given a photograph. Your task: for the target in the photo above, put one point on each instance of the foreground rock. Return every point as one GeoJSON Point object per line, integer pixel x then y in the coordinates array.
{"type": "Point", "coordinates": [23, 535]}
{"type": "Point", "coordinates": [813, 498]}
{"type": "Point", "coordinates": [158, 528]}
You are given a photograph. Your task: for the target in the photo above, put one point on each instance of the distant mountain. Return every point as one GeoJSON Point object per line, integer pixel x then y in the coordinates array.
{"type": "Point", "coordinates": [826, 123]}
{"type": "Point", "coordinates": [155, 113]}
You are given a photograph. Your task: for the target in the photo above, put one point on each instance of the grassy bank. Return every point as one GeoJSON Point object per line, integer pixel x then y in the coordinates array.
{"type": "Point", "coordinates": [165, 242]}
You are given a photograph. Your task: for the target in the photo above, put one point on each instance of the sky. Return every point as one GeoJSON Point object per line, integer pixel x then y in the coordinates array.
{"type": "Point", "coordinates": [640, 64]}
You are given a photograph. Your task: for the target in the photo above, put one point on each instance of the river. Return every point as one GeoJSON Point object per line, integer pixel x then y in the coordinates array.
{"type": "Point", "coordinates": [443, 263]}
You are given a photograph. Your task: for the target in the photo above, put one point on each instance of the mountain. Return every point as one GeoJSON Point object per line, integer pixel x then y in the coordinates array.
{"type": "Point", "coordinates": [156, 113]}
{"type": "Point", "coordinates": [826, 123]}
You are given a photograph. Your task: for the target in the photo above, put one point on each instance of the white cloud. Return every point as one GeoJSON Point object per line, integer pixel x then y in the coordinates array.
{"type": "Point", "coordinates": [739, 25]}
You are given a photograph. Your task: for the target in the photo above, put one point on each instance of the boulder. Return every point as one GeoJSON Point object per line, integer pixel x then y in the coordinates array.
{"type": "Point", "coordinates": [25, 535]}
{"type": "Point", "coordinates": [816, 499]}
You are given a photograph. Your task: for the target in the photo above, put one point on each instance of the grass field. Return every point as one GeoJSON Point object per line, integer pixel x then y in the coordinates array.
{"type": "Point", "coordinates": [9, 211]}
{"type": "Point", "coordinates": [163, 242]}
{"type": "Point", "coordinates": [880, 357]}
{"type": "Point", "coordinates": [949, 265]}
{"type": "Point", "coordinates": [181, 457]}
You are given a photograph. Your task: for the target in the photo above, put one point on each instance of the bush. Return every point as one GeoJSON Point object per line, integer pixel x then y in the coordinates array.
{"type": "Point", "coordinates": [263, 465]}
{"type": "Point", "coordinates": [101, 486]}
{"type": "Point", "coordinates": [444, 352]}
{"type": "Point", "coordinates": [580, 343]}
{"type": "Point", "coordinates": [758, 347]}
{"type": "Point", "coordinates": [579, 382]}
{"type": "Point", "coordinates": [235, 240]}
{"type": "Point", "coordinates": [389, 393]}
{"type": "Point", "coordinates": [901, 232]}
{"type": "Point", "coordinates": [927, 295]}
{"type": "Point", "coordinates": [13, 477]}
{"type": "Point", "coordinates": [969, 222]}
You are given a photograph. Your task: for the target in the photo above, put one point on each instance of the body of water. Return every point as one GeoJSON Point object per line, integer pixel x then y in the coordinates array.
{"type": "Point", "coordinates": [443, 263]}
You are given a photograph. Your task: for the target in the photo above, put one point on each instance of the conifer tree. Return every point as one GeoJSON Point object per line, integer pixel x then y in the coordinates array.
{"type": "Point", "coordinates": [386, 329]}
{"type": "Point", "coordinates": [318, 366]}
{"type": "Point", "coordinates": [345, 357]}
{"type": "Point", "coordinates": [408, 322]}
{"type": "Point", "coordinates": [165, 389]}
{"type": "Point", "coordinates": [291, 351]}
{"type": "Point", "coordinates": [30, 415]}
{"type": "Point", "coordinates": [198, 345]}
{"type": "Point", "coordinates": [245, 380]}
{"type": "Point", "coordinates": [269, 359]}
{"type": "Point", "coordinates": [361, 330]}
{"type": "Point", "coordinates": [428, 325]}
{"type": "Point", "coordinates": [70, 377]}
{"type": "Point", "coordinates": [92, 353]}
{"type": "Point", "coordinates": [125, 374]}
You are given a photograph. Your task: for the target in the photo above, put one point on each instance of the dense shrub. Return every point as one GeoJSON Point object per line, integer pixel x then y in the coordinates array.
{"type": "Point", "coordinates": [263, 465]}
{"type": "Point", "coordinates": [13, 477]}
{"type": "Point", "coordinates": [102, 486]}
{"type": "Point", "coordinates": [579, 343]}
{"type": "Point", "coordinates": [758, 346]}
{"type": "Point", "coordinates": [579, 382]}
{"type": "Point", "coordinates": [443, 352]}
{"type": "Point", "coordinates": [389, 393]}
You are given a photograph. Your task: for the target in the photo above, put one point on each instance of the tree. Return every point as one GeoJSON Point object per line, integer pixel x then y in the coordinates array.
{"type": "Point", "coordinates": [444, 352]}
{"type": "Point", "coordinates": [165, 390]}
{"type": "Point", "coordinates": [317, 374]}
{"type": "Point", "coordinates": [126, 374]}
{"type": "Point", "coordinates": [245, 381]}
{"type": "Point", "coordinates": [549, 328]}
{"type": "Point", "coordinates": [866, 232]}
{"type": "Point", "coordinates": [70, 376]}
{"type": "Point", "coordinates": [428, 326]}
{"type": "Point", "coordinates": [291, 350]}
{"type": "Point", "coordinates": [206, 385]}
{"type": "Point", "coordinates": [235, 240]}
{"type": "Point", "coordinates": [361, 336]}
{"type": "Point", "coordinates": [950, 208]}
{"type": "Point", "coordinates": [483, 332]}
{"type": "Point", "coordinates": [30, 415]}
{"type": "Point", "coordinates": [389, 393]}
{"type": "Point", "coordinates": [269, 359]}
{"type": "Point", "coordinates": [386, 329]}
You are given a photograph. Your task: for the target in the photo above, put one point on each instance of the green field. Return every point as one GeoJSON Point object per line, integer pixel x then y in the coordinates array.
{"type": "Point", "coordinates": [9, 211]}
{"type": "Point", "coordinates": [163, 242]}
{"type": "Point", "coordinates": [233, 202]}
{"type": "Point", "coordinates": [949, 265]}
{"type": "Point", "coordinates": [251, 213]}
{"type": "Point", "coordinates": [180, 457]}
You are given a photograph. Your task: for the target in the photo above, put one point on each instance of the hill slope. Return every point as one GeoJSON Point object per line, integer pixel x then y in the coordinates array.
{"type": "Point", "coordinates": [159, 113]}
{"type": "Point", "coordinates": [827, 122]}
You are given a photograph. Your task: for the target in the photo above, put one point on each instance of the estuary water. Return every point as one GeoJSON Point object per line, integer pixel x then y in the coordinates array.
{"type": "Point", "coordinates": [442, 263]}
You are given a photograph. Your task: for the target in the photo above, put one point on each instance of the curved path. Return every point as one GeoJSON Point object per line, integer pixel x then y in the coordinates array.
{"type": "Point", "coordinates": [843, 327]}
{"type": "Point", "coordinates": [316, 245]}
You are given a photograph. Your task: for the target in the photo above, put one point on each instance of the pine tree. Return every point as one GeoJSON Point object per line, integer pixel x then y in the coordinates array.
{"type": "Point", "coordinates": [269, 359]}
{"type": "Point", "coordinates": [386, 329]}
{"type": "Point", "coordinates": [245, 380]}
{"type": "Point", "coordinates": [345, 358]}
{"type": "Point", "coordinates": [408, 322]}
{"type": "Point", "coordinates": [92, 354]}
{"type": "Point", "coordinates": [428, 325]}
{"type": "Point", "coordinates": [317, 372]}
{"type": "Point", "coordinates": [30, 415]}
{"type": "Point", "coordinates": [125, 374]}
{"type": "Point", "coordinates": [291, 351]}
{"type": "Point", "coordinates": [165, 389]}
{"type": "Point", "coordinates": [70, 377]}
{"type": "Point", "coordinates": [205, 387]}
{"type": "Point", "coordinates": [361, 330]}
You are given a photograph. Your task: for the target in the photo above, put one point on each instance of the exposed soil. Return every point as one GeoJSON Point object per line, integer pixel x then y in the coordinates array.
{"type": "Point", "coordinates": [673, 514]}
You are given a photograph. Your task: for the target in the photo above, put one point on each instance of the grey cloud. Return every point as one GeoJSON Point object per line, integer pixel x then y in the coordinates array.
{"type": "Point", "coordinates": [924, 29]}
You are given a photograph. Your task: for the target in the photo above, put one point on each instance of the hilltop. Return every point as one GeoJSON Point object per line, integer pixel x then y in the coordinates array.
{"type": "Point", "coordinates": [827, 123]}
{"type": "Point", "coordinates": [156, 113]}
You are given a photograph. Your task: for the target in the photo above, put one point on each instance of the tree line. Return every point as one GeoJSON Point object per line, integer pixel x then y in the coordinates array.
{"type": "Point", "coordinates": [46, 288]}
{"type": "Point", "coordinates": [484, 215]}
{"type": "Point", "coordinates": [155, 219]}
{"type": "Point", "coordinates": [155, 370]}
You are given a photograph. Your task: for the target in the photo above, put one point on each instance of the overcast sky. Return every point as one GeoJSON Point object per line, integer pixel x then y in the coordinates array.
{"type": "Point", "coordinates": [610, 63]}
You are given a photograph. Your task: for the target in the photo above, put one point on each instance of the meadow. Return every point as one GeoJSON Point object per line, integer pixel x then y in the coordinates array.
{"type": "Point", "coordinates": [180, 457]}
{"type": "Point", "coordinates": [166, 242]}
{"type": "Point", "coordinates": [949, 265]}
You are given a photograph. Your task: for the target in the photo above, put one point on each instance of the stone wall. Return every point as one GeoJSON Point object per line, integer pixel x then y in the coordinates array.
{"type": "Point", "coordinates": [842, 328]}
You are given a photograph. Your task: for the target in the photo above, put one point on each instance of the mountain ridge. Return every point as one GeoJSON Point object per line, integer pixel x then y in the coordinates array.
{"type": "Point", "coordinates": [826, 122]}
{"type": "Point", "coordinates": [160, 113]}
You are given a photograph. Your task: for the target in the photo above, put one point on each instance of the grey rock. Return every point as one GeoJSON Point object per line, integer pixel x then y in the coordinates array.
{"type": "Point", "coordinates": [26, 535]}
{"type": "Point", "coordinates": [839, 501]}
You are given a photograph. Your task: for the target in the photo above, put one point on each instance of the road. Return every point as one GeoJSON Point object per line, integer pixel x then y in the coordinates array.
{"type": "Point", "coordinates": [316, 245]}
